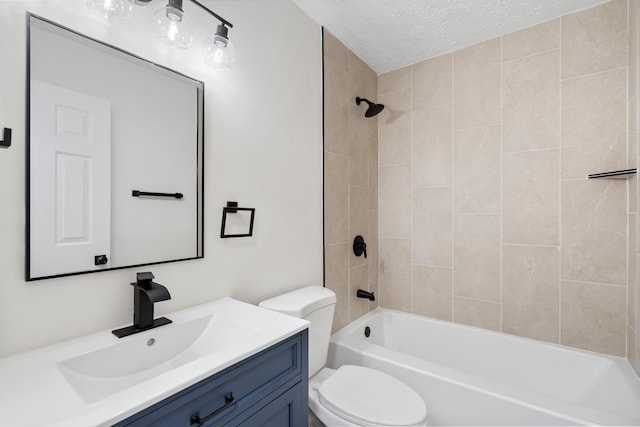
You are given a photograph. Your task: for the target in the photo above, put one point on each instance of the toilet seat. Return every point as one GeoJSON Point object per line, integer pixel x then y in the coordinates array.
{"type": "Point", "coordinates": [365, 396]}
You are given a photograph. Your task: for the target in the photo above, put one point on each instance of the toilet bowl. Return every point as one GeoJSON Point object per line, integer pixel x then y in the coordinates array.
{"type": "Point", "coordinates": [359, 396]}
{"type": "Point", "coordinates": [350, 395]}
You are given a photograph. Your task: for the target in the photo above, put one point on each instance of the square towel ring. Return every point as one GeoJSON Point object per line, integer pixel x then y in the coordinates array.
{"type": "Point", "coordinates": [231, 208]}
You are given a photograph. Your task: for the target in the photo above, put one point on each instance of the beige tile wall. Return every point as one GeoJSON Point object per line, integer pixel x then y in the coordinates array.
{"type": "Point", "coordinates": [633, 295]}
{"type": "Point", "coordinates": [350, 179]}
{"type": "Point", "coordinates": [485, 214]}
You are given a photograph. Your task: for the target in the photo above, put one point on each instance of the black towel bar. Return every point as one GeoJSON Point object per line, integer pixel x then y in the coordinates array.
{"type": "Point", "coordinates": [137, 193]}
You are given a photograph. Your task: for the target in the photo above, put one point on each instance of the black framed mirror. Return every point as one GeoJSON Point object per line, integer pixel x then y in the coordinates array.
{"type": "Point", "coordinates": [115, 161]}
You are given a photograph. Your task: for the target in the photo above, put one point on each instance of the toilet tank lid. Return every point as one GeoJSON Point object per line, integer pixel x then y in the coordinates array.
{"type": "Point", "coordinates": [301, 302]}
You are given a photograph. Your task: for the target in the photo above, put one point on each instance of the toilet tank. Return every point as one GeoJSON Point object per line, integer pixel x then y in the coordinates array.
{"type": "Point", "coordinates": [315, 304]}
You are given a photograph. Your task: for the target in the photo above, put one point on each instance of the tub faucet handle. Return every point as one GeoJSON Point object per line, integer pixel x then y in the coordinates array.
{"type": "Point", "coordinates": [359, 246]}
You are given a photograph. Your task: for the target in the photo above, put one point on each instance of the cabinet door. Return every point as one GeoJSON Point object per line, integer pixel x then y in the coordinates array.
{"type": "Point", "coordinates": [286, 410]}
{"type": "Point", "coordinates": [250, 385]}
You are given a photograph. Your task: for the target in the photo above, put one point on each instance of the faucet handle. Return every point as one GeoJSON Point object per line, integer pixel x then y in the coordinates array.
{"type": "Point", "coordinates": [359, 246]}
{"type": "Point", "coordinates": [144, 278]}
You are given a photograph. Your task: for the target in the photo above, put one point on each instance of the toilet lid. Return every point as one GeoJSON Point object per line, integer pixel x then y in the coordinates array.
{"type": "Point", "coordinates": [369, 397]}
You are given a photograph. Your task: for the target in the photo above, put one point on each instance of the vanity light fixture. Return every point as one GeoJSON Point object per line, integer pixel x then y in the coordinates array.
{"type": "Point", "coordinates": [218, 50]}
{"type": "Point", "coordinates": [174, 28]}
{"type": "Point", "coordinates": [114, 10]}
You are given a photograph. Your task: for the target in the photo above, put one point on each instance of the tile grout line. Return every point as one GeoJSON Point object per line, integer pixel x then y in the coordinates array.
{"type": "Point", "coordinates": [504, 61]}
{"type": "Point", "coordinates": [501, 184]}
{"type": "Point", "coordinates": [350, 164]}
{"type": "Point", "coordinates": [635, 254]}
{"type": "Point", "coordinates": [627, 187]}
{"type": "Point", "coordinates": [609, 70]}
{"type": "Point", "coordinates": [411, 278]}
{"type": "Point", "coordinates": [451, 147]}
{"type": "Point", "coordinates": [560, 188]}
{"type": "Point", "coordinates": [611, 285]}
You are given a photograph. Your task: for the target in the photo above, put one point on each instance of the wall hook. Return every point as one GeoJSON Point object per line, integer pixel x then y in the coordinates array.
{"type": "Point", "coordinates": [6, 138]}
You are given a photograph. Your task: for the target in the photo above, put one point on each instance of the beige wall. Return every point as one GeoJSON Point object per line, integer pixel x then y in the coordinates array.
{"type": "Point", "coordinates": [350, 177]}
{"type": "Point", "coordinates": [485, 214]}
{"type": "Point", "coordinates": [633, 322]}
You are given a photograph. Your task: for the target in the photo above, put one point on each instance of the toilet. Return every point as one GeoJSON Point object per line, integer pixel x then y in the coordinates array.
{"type": "Point", "coordinates": [350, 395]}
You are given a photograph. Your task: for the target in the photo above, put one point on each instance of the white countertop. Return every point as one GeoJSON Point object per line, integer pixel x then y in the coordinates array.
{"type": "Point", "coordinates": [34, 391]}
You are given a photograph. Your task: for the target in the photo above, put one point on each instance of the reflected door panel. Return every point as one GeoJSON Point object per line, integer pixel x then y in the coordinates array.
{"type": "Point", "coordinates": [70, 160]}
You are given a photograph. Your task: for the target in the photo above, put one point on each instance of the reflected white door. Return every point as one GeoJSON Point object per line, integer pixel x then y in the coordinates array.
{"type": "Point", "coordinates": [70, 170]}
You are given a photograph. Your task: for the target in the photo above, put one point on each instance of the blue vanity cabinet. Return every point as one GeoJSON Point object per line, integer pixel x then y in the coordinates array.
{"type": "Point", "coordinates": [284, 410]}
{"type": "Point", "coordinates": [267, 389]}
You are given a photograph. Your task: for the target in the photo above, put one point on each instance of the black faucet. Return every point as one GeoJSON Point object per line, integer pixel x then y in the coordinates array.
{"type": "Point", "coordinates": [145, 293]}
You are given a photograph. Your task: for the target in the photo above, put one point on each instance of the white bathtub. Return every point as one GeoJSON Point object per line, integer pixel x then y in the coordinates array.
{"type": "Point", "coordinates": [471, 376]}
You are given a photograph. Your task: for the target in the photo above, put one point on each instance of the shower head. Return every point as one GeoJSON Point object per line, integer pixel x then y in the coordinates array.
{"type": "Point", "coordinates": [373, 110]}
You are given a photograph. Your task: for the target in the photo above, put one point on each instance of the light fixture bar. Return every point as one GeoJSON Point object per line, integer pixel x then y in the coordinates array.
{"type": "Point", "coordinates": [211, 12]}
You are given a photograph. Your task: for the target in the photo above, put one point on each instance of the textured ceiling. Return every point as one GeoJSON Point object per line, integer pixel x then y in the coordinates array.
{"type": "Point", "coordinates": [390, 34]}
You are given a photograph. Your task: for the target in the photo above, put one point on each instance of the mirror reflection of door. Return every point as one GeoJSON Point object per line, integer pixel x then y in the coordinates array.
{"type": "Point", "coordinates": [81, 203]}
{"type": "Point", "coordinates": [70, 177]}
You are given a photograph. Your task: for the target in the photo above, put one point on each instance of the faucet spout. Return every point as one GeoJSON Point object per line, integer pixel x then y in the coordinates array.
{"type": "Point", "coordinates": [146, 293]}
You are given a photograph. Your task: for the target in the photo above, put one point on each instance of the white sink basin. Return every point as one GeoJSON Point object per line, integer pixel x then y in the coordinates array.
{"type": "Point", "coordinates": [136, 358]}
{"type": "Point", "coordinates": [99, 379]}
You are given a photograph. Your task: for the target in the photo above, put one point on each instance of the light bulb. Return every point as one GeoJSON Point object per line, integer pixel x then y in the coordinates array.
{"type": "Point", "coordinates": [114, 10]}
{"type": "Point", "coordinates": [218, 50]}
{"type": "Point", "coordinates": [173, 27]}
{"type": "Point", "coordinates": [172, 33]}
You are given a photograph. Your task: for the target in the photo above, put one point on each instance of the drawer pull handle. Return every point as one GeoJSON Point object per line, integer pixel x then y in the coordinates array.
{"type": "Point", "coordinates": [228, 401]}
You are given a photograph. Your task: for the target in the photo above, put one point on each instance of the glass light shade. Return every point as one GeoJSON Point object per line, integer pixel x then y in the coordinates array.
{"type": "Point", "coordinates": [219, 52]}
{"type": "Point", "coordinates": [173, 27]}
{"type": "Point", "coordinates": [112, 9]}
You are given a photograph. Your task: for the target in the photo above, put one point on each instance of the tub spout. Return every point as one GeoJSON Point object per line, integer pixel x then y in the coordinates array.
{"type": "Point", "coordinates": [360, 293]}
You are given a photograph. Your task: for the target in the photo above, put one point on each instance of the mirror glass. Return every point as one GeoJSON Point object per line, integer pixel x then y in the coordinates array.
{"type": "Point", "coordinates": [114, 155]}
